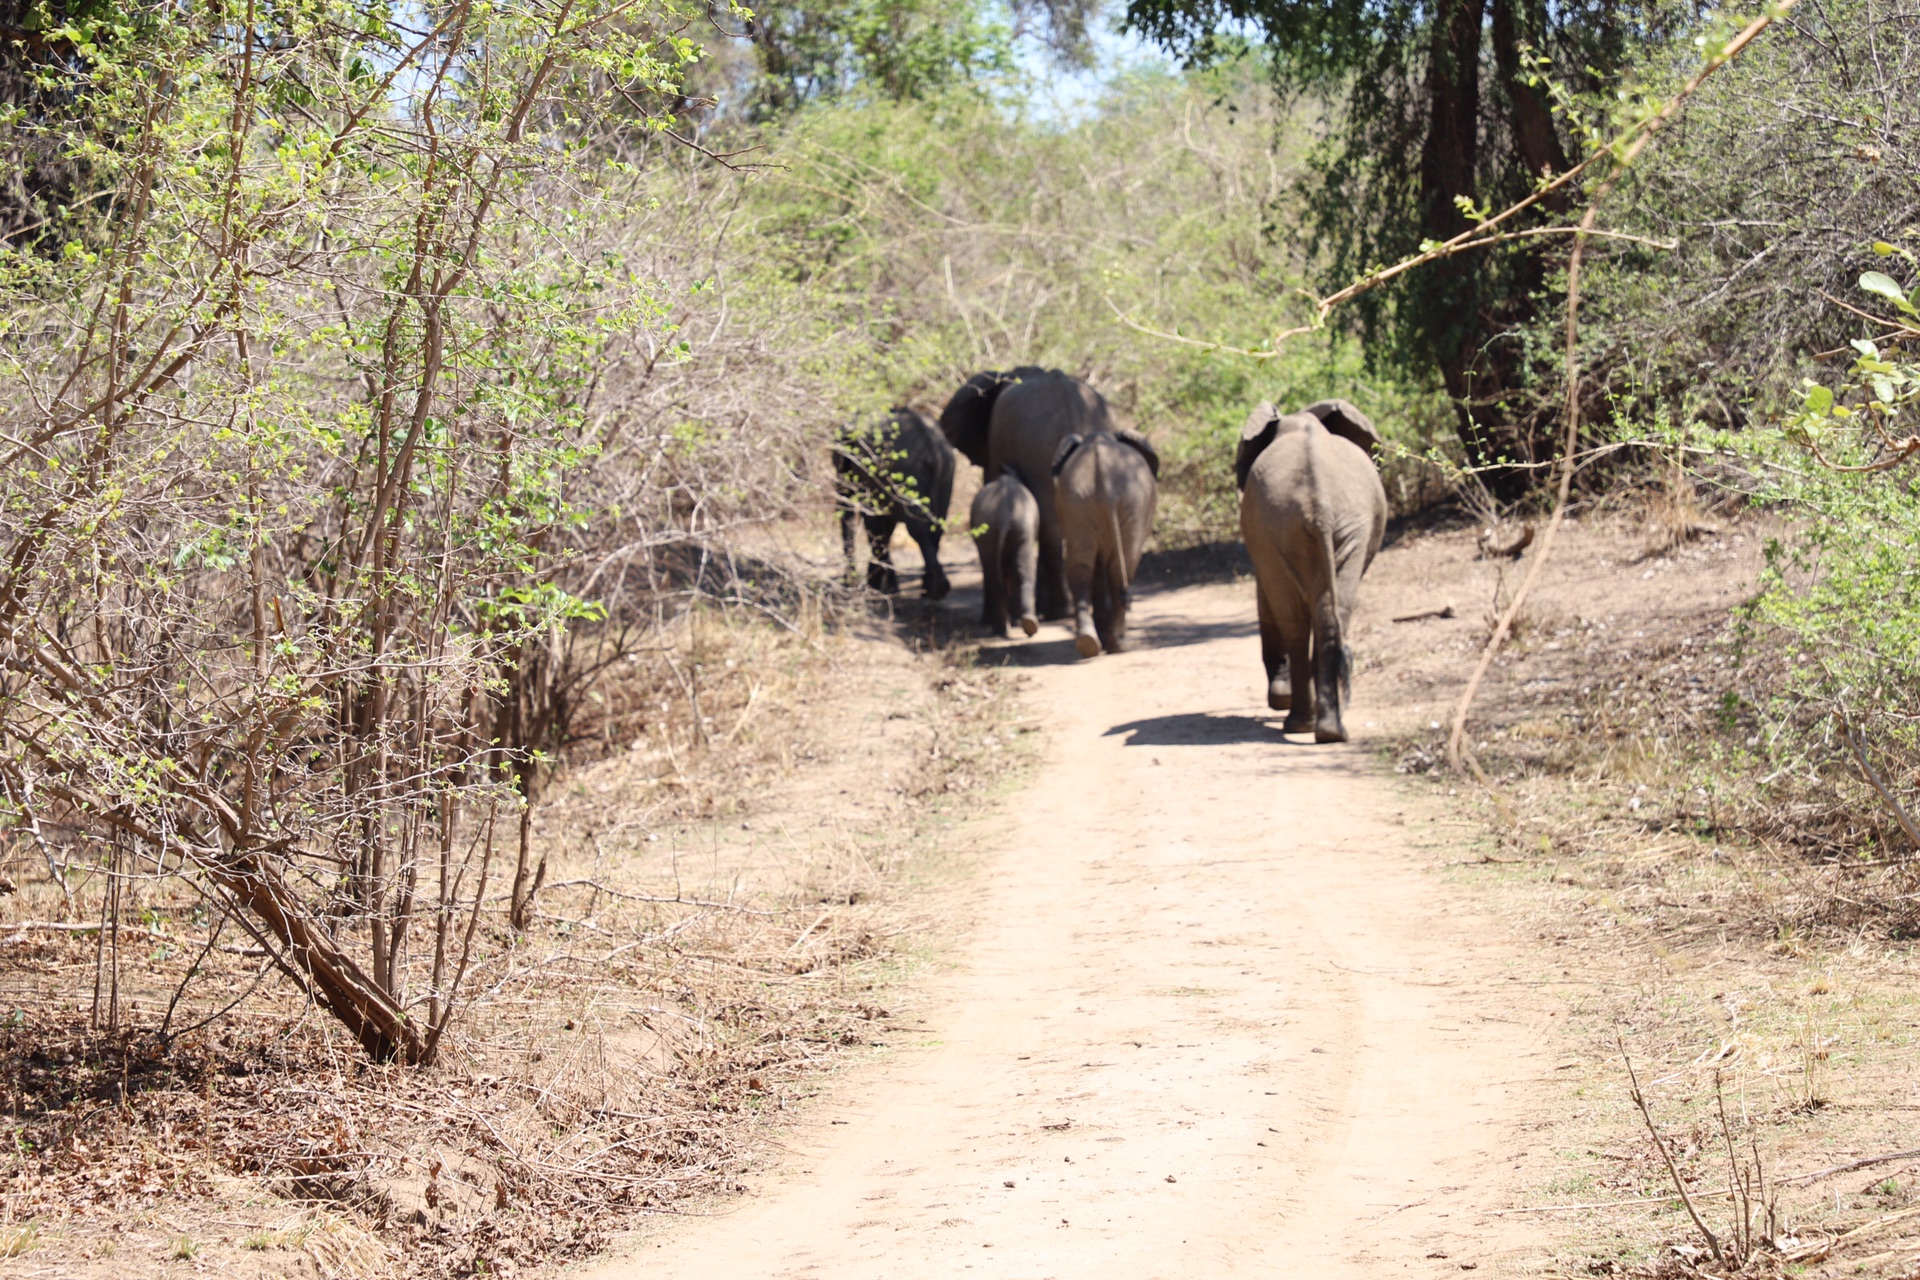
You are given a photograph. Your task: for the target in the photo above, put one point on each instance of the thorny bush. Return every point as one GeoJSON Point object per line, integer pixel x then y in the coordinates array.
{"type": "Point", "coordinates": [342, 422]}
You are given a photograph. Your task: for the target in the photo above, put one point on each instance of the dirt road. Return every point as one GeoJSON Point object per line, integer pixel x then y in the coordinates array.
{"type": "Point", "coordinates": [1219, 1014]}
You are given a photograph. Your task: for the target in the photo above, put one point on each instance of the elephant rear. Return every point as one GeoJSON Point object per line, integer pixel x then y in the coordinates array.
{"type": "Point", "coordinates": [1105, 489]}
{"type": "Point", "coordinates": [899, 470]}
{"type": "Point", "coordinates": [1020, 418]}
{"type": "Point", "coordinates": [1313, 513]}
{"type": "Point", "coordinates": [1007, 521]}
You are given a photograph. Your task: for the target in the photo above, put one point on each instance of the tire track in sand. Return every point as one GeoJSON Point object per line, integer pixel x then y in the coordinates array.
{"type": "Point", "coordinates": [1215, 1019]}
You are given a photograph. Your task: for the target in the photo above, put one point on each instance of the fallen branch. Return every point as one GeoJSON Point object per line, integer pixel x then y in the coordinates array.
{"type": "Point", "coordinates": [1879, 785]}
{"type": "Point", "coordinates": [1494, 545]}
{"type": "Point", "coordinates": [1850, 1166]}
{"type": "Point", "coordinates": [675, 900]}
{"type": "Point", "coordinates": [1820, 1252]}
{"type": "Point", "coordinates": [1444, 611]}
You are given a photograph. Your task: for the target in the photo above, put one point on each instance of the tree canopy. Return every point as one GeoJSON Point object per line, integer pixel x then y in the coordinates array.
{"type": "Point", "coordinates": [1439, 108]}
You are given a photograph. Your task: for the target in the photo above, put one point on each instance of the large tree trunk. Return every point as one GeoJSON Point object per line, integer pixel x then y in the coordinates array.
{"type": "Point", "coordinates": [1449, 172]}
{"type": "Point", "coordinates": [1470, 321]}
{"type": "Point", "coordinates": [1530, 114]}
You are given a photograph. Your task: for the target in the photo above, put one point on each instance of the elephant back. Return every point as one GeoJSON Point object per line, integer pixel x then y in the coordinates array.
{"type": "Point", "coordinates": [1266, 424]}
{"type": "Point", "coordinates": [1034, 416]}
{"type": "Point", "coordinates": [968, 417]}
{"type": "Point", "coordinates": [926, 456]}
{"type": "Point", "coordinates": [898, 462]}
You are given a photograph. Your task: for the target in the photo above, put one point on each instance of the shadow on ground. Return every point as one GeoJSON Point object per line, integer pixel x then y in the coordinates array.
{"type": "Point", "coordinates": [938, 624]}
{"type": "Point", "coordinates": [1191, 566]}
{"type": "Point", "coordinates": [1198, 729]}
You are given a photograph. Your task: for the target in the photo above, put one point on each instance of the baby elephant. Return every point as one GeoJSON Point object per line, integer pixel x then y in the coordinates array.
{"type": "Point", "coordinates": [1105, 485]}
{"type": "Point", "coordinates": [1313, 511]}
{"type": "Point", "coordinates": [1009, 550]}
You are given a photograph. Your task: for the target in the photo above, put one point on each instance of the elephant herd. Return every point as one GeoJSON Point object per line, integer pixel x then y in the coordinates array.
{"type": "Point", "coordinates": [1067, 502]}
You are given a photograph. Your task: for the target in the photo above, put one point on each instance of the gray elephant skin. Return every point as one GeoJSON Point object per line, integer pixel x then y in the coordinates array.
{"type": "Point", "coordinates": [1020, 417]}
{"type": "Point", "coordinates": [1313, 512]}
{"type": "Point", "coordinates": [1006, 520]}
{"type": "Point", "coordinates": [898, 470]}
{"type": "Point", "coordinates": [1105, 486]}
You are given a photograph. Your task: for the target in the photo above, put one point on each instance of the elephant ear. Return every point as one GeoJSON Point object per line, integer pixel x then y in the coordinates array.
{"type": "Point", "coordinates": [1341, 418]}
{"type": "Point", "coordinates": [1255, 435]}
{"type": "Point", "coordinates": [1134, 440]}
{"type": "Point", "coordinates": [1065, 451]}
{"type": "Point", "coordinates": [968, 415]}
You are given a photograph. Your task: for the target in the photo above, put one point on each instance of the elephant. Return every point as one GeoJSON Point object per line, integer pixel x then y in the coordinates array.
{"type": "Point", "coordinates": [900, 469]}
{"type": "Point", "coordinates": [1009, 550]}
{"type": "Point", "coordinates": [1105, 486]}
{"type": "Point", "coordinates": [1021, 417]}
{"type": "Point", "coordinates": [1313, 513]}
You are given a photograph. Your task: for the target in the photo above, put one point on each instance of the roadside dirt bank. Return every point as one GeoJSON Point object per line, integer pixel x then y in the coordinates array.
{"type": "Point", "coordinates": [1218, 1013]}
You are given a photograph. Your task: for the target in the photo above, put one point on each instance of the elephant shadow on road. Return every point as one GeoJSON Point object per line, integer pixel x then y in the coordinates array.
{"type": "Point", "coordinates": [1198, 729]}
{"type": "Point", "coordinates": [1053, 648]}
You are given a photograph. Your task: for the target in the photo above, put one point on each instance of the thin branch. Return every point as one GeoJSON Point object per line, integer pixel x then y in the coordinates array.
{"type": "Point", "coordinates": [1673, 1171]}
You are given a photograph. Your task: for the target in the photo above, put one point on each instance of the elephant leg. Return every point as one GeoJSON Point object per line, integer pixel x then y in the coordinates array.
{"type": "Point", "coordinates": [1053, 589]}
{"type": "Point", "coordinates": [880, 572]}
{"type": "Point", "coordinates": [1329, 676]}
{"type": "Point", "coordinates": [1349, 579]}
{"type": "Point", "coordinates": [933, 579]}
{"type": "Point", "coordinates": [1111, 597]}
{"type": "Point", "coordinates": [993, 587]}
{"type": "Point", "coordinates": [1083, 582]}
{"type": "Point", "coordinates": [1300, 676]}
{"type": "Point", "coordinates": [1024, 570]}
{"type": "Point", "coordinates": [1273, 652]}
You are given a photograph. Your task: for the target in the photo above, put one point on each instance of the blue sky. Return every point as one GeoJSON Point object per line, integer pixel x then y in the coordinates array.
{"type": "Point", "coordinates": [1073, 95]}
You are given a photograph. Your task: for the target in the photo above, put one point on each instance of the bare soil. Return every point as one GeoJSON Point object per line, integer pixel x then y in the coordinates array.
{"type": "Point", "coordinates": [1721, 930]}
{"type": "Point", "coordinates": [1217, 1013]}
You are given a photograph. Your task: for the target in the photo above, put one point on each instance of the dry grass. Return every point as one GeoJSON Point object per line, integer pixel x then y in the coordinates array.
{"type": "Point", "coordinates": [1715, 918]}
{"type": "Point", "coordinates": [721, 919]}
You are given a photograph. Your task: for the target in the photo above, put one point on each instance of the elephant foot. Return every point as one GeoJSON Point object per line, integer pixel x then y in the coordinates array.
{"type": "Point", "coordinates": [937, 588]}
{"type": "Point", "coordinates": [1279, 699]}
{"type": "Point", "coordinates": [1089, 646]}
{"type": "Point", "coordinates": [1298, 722]}
{"type": "Point", "coordinates": [1115, 644]}
{"type": "Point", "coordinates": [1329, 731]}
{"type": "Point", "coordinates": [1029, 624]}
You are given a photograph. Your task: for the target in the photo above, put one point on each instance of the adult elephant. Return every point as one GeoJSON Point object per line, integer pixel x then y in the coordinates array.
{"type": "Point", "coordinates": [1105, 486]}
{"type": "Point", "coordinates": [898, 470]}
{"type": "Point", "coordinates": [1020, 417]}
{"type": "Point", "coordinates": [1312, 511]}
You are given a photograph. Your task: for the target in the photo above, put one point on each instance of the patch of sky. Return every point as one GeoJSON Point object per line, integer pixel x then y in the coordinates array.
{"type": "Point", "coordinates": [1064, 96]}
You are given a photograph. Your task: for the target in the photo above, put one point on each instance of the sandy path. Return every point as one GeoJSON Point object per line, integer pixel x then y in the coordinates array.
{"type": "Point", "coordinates": [1217, 1018]}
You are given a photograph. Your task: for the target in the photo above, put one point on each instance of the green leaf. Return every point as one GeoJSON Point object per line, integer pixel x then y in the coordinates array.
{"type": "Point", "coordinates": [1885, 285]}
{"type": "Point", "coordinates": [1884, 249]}
{"type": "Point", "coordinates": [1819, 400]}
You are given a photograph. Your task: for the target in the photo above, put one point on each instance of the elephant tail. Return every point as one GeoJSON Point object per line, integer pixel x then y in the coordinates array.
{"type": "Point", "coordinates": [1326, 611]}
{"type": "Point", "coordinates": [1119, 569]}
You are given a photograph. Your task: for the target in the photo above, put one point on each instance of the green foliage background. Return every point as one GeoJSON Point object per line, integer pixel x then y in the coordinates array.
{"type": "Point", "coordinates": [942, 235]}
